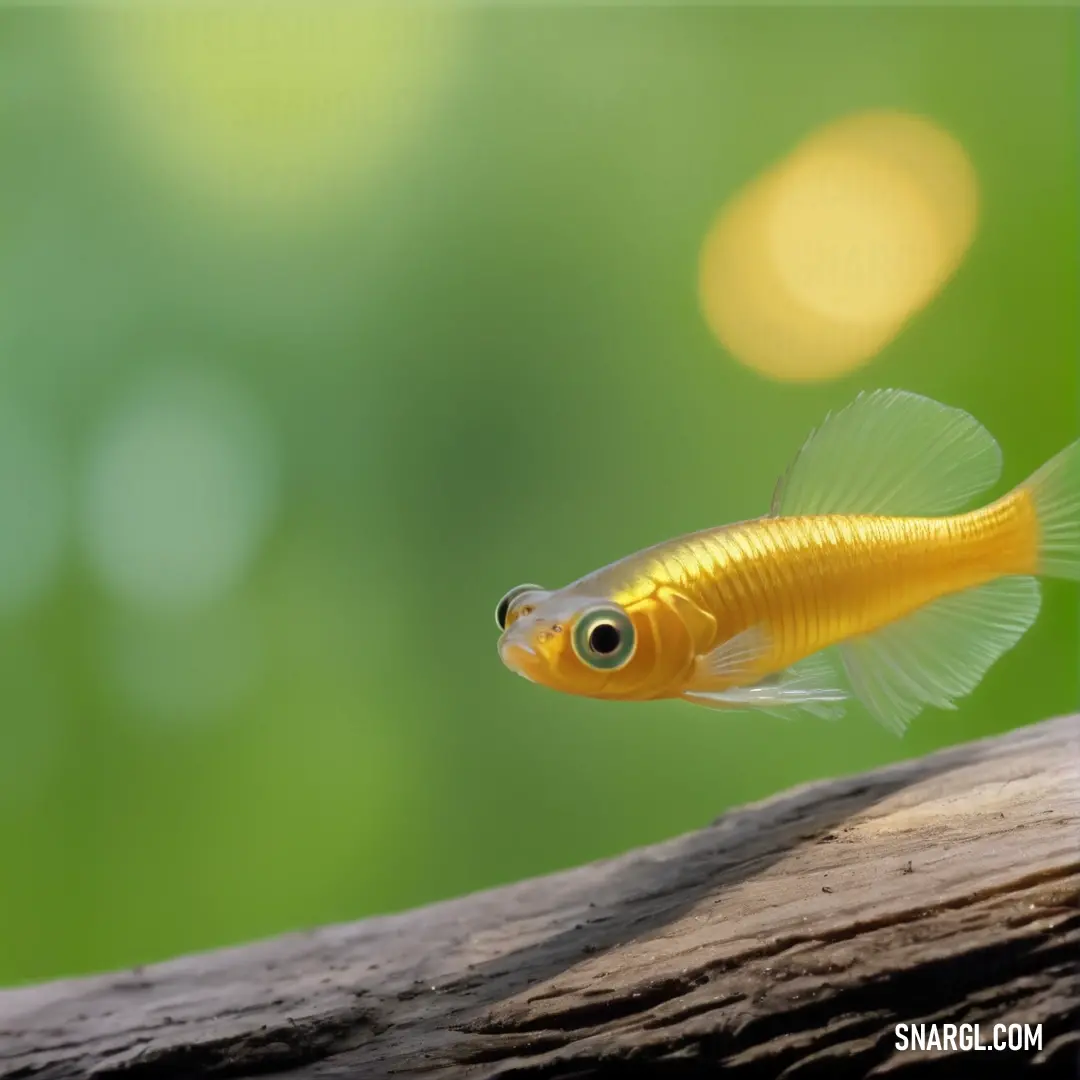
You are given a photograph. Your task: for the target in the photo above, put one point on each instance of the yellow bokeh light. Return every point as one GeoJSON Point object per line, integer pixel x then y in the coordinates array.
{"type": "Point", "coordinates": [270, 110]}
{"type": "Point", "coordinates": [817, 264]}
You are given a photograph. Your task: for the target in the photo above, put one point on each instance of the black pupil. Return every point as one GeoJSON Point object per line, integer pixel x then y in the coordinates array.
{"type": "Point", "coordinates": [604, 638]}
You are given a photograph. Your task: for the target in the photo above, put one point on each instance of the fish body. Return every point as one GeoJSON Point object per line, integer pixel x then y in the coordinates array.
{"type": "Point", "coordinates": [809, 582]}
{"type": "Point", "coordinates": [840, 591]}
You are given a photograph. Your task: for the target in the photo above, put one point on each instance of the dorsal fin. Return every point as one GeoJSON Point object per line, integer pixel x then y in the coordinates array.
{"type": "Point", "coordinates": [890, 452]}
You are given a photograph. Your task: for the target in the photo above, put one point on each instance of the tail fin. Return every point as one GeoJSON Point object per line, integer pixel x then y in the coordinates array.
{"type": "Point", "coordinates": [1055, 491]}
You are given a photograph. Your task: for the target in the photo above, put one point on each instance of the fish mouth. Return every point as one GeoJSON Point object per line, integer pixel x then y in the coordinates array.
{"type": "Point", "coordinates": [519, 657]}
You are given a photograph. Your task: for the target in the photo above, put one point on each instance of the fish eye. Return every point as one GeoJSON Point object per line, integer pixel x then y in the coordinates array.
{"type": "Point", "coordinates": [503, 607]}
{"type": "Point", "coordinates": [604, 638]}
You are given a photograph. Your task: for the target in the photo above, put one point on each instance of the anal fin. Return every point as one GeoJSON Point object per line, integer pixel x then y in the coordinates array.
{"type": "Point", "coordinates": [941, 651]}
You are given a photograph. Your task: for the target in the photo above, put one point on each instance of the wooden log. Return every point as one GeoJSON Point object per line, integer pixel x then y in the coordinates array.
{"type": "Point", "coordinates": [785, 939]}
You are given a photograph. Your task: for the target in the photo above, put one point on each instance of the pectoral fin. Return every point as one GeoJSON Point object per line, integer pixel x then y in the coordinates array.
{"type": "Point", "coordinates": [736, 660]}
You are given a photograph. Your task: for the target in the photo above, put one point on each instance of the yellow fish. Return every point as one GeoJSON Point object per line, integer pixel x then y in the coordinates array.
{"type": "Point", "coordinates": [863, 581]}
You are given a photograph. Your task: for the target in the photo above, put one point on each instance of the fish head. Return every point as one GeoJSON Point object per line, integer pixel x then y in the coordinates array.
{"type": "Point", "coordinates": [590, 646]}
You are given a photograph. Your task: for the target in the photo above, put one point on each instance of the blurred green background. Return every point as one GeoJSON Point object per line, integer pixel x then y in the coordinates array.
{"type": "Point", "coordinates": [312, 328]}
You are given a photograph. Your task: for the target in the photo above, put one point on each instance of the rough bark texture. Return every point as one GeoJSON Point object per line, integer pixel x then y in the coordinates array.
{"type": "Point", "coordinates": [786, 939]}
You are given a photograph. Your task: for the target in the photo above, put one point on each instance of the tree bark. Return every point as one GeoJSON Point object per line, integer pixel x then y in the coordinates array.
{"type": "Point", "coordinates": [786, 939]}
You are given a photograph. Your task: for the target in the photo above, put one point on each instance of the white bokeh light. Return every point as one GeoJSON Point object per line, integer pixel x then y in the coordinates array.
{"type": "Point", "coordinates": [32, 509]}
{"type": "Point", "coordinates": [179, 491]}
